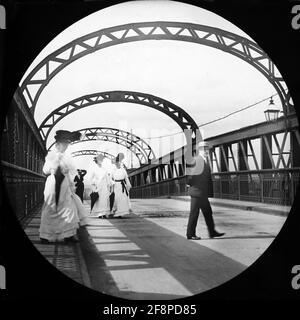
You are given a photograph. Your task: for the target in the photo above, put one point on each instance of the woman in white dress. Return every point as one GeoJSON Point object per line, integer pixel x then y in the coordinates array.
{"type": "Point", "coordinates": [121, 189]}
{"type": "Point", "coordinates": [102, 184]}
{"type": "Point", "coordinates": [120, 158]}
{"type": "Point", "coordinates": [62, 211]}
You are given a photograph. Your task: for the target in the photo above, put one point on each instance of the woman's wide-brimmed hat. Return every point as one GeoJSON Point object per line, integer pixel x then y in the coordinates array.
{"type": "Point", "coordinates": [99, 157]}
{"type": "Point", "coordinates": [67, 136]}
{"type": "Point", "coordinates": [119, 157]}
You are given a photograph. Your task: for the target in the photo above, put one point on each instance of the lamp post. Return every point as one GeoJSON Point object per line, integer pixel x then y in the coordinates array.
{"type": "Point", "coordinates": [271, 113]}
{"type": "Point", "coordinates": [131, 160]}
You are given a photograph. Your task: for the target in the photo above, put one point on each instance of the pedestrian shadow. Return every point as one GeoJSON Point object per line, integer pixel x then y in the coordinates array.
{"type": "Point", "coordinates": [148, 250]}
{"type": "Point", "coordinates": [242, 237]}
{"type": "Point", "coordinates": [102, 275]}
{"type": "Point", "coordinates": [143, 251]}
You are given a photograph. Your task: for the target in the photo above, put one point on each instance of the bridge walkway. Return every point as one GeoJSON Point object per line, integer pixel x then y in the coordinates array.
{"type": "Point", "coordinates": [147, 256]}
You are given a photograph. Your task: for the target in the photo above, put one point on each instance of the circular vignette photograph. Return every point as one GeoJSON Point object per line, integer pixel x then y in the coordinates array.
{"type": "Point", "coordinates": [151, 151]}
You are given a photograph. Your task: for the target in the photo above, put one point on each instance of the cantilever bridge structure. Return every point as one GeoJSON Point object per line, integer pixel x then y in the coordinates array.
{"type": "Point", "coordinates": [274, 178]}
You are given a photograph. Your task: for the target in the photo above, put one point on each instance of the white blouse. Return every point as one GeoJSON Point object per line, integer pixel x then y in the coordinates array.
{"type": "Point", "coordinates": [55, 159]}
{"type": "Point", "coordinates": [121, 174]}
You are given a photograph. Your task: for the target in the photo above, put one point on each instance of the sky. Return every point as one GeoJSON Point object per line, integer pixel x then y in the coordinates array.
{"type": "Point", "coordinates": [205, 82]}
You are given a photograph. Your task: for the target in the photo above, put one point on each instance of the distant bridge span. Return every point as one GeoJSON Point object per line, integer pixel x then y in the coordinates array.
{"type": "Point", "coordinates": [181, 117]}
{"type": "Point", "coordinates": [92, 153]}
{"type": "Point", "coordinates": [135, 144]}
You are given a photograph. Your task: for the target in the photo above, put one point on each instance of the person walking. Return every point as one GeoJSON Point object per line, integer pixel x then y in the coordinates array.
{"type": "Point", "coordinates": [79, 184]}
{"type": "Point", "coordinates": [120, 156]}
{"type": "Point", "coordinates": [101, 184]}
{"type": "Point", "coordinates": [200, 188]}
{"type": "Point", "coordinates": [121, 189]}
{"type": "Point", "coordinates": [62, 211]}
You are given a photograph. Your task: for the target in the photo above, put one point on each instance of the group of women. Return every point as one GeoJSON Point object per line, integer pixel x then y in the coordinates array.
{"type": "Point", "coordinates": [112, 189]}
{"type": "Point", "coordinates": [63, 211]}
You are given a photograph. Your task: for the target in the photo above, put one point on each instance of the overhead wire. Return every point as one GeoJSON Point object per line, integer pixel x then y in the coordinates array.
{"type": "Point", "coordinates": [218, 119]}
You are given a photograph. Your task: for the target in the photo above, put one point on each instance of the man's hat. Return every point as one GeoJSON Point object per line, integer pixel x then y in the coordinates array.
{"type": "Point", "coordinates": [67, 136]}
{"type": "Point", "coordinates": [203, 144]}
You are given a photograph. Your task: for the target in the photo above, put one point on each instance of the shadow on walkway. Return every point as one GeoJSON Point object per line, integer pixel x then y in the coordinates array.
{"type": "Point", "coordinates": [122, 254]}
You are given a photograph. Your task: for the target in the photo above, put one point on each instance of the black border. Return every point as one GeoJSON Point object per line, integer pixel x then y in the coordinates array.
{"type": "Point", "coordinates": [31, 280]}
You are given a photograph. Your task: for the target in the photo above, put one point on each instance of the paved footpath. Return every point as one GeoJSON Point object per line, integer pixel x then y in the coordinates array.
{"type": "Point", "coordinates": [282, 210]}
{"type": "Point", "coordinates": [147, 256]}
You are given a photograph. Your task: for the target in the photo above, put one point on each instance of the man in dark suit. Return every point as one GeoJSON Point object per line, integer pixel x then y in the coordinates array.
{"type": "Point", "coordinates": [200, 188]}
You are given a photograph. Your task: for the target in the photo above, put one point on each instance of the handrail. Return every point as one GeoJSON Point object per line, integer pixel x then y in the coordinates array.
{"type": "Point", "coordinates": [15, 167]}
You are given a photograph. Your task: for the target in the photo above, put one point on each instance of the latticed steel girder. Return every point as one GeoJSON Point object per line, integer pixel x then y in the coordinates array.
{"type": "Point", "coordinates": [135, 144]}
{"type": "Point", "coordinates": [92, 153]}
{"type": "Point", "coordinates": [239, 46]}
{"type": "Point", "coordinates": [182, 118]}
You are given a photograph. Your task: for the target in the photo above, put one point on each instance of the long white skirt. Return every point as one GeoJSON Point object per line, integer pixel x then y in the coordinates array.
{"type": "Point", "coordinates": [121, 204]}
{"type": "Point", "coordinates": [101, 206]}
{"type": "Point", "coordinates": [62, 220]}
{"type": "Point", "coordinates": [81, 211]}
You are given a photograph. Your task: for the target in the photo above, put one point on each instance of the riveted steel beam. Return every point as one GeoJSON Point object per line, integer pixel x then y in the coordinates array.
{"type": "Point", "coordinates": [228, 42]}
{"type": "Point", "coordinates": [181, 117]}
{"type": "Point", "coordinates": [135, 144]}
{"type": "Point", "coordinates": [92, 153]}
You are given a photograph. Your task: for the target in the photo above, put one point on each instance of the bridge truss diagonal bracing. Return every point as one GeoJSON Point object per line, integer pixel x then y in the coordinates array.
{"type": "Point", "coordinates": [92, 153]}
{"type": "Point", "coordinates": [135, 144]}
{"type": "Point", "coordinates": [257, 163]}
{"type": "Point", "coordinates": [182, 118]}
{"type": "Point", "coordinates": [236, 45]}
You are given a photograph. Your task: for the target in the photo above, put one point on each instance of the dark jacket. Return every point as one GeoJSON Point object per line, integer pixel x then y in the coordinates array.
{"type": "Point", "coordinates": [200, 183]}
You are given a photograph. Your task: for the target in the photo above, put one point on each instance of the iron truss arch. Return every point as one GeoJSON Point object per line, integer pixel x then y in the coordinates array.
{"type": "Point", "coordinates": [135, 144]}
{"type": "Point", "coordinates": [92, 153]}
{"type": "Point", "coordinates": [181, 117]}
{"type": "Point", "coordinates": [236, 45]}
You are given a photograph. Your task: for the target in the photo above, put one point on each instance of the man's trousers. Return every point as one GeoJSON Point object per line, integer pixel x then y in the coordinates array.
{"type": "Point", "coordinates": [198, 203]}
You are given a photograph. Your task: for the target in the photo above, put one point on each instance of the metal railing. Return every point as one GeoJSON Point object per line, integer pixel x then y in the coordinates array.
{"type": "Point", "coordinates": [24, 188]}
{"type": "Point", "coordinates": [268, 186]}
{"type": "Point", "coordinates": [170, 187]}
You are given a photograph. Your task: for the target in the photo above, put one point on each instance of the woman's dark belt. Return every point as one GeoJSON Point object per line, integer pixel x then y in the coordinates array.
{"type": "Point", "coordinates": [123, 183]}
{"type": "Point", "coordinates": [59, 177]}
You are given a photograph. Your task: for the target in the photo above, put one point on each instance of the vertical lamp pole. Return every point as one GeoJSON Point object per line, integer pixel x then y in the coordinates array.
{"type": "Point", "coordinates": [131, 152]}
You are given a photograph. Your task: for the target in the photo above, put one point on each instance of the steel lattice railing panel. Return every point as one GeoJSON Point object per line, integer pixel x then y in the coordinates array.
{"type": "Point", "coordinates": [239, 46]}
{"type": "Point", "coordinates": [279, 151]}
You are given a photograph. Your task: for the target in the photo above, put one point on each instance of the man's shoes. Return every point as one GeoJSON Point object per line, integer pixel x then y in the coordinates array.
{"type": "Point", "coordinates": [194, 238]}
{"type": "Point", "coordinates": [216, 234]}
